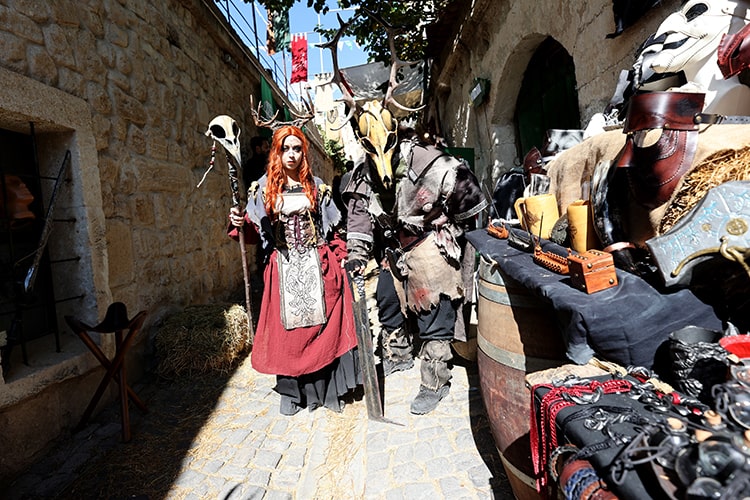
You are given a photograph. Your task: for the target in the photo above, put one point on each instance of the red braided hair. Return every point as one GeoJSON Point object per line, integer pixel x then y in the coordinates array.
{"type": "Point", "coordinates": [275, 168]}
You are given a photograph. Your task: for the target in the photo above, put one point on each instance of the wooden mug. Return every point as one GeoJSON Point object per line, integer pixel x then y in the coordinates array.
{"type": "Point", "coordinates": [538, 214]}
{"type": "Point", "coordinates": [581, 226]}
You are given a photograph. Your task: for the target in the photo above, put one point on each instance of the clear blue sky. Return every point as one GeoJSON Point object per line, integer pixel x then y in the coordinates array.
{"type": "Point", "coordinates": [304, 20]}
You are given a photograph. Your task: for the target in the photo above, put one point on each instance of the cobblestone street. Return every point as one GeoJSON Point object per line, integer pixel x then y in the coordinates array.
{"type": "Point", "coordinates": [237, 446]}
{"type": "Point", "coordinates": [222, 437]}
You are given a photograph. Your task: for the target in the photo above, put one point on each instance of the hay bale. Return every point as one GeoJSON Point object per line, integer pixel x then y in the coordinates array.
{"type": "Point", "coordinates": [202, 339]}
{"type": "Point", "coordinates": [722, 166]}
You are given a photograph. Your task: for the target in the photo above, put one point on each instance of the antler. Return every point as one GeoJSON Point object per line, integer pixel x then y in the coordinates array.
{"type": "Point", "coordinates": [272, 123]}
{"type": "Point", "coordinates": [396, 63]}
{"type": "Point", "coordinates": [309, 114]}
{"type": "Point", "coordinates": [259, 122]}
{"type": "Point", "coordinates": [337, 78]}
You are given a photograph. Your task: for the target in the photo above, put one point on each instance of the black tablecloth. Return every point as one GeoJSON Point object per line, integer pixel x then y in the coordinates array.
{"type": "Point", "coordinates": [626, 324]}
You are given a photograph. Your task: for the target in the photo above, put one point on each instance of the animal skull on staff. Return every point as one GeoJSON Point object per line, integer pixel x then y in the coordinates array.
{"type": "Point", "coordinates": [224, 130]}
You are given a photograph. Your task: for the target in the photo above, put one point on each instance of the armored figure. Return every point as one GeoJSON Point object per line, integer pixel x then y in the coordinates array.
{"type": "Point", "coordinates": [412, 219]}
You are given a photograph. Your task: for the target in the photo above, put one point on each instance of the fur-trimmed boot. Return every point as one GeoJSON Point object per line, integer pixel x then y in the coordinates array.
{"type": "Point", "coordinates": [436, 375]}
{"type": "Point", "coordinates": [397, 351]}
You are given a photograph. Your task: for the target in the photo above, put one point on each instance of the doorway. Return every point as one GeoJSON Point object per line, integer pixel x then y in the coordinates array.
{"type": "Point", "coordinates": [548, 98]}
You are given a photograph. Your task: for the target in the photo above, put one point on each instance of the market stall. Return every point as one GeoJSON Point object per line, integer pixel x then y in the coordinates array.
{"type": "Point", "coordinates": [556, 323]}
{"type": "Point", "coordinates": [615, 366]}
{"type": "Point", "coordinates": [552, 323]}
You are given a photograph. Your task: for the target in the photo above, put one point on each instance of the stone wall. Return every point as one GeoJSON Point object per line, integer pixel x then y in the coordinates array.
{"type": "Point", "coordinates": [129, 88]}
{"type": "Point", "coordinates": [153, 74]}
{"type": "Point", "coordinates": [496, 40]}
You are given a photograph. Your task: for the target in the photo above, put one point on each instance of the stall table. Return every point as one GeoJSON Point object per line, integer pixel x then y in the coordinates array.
{"type": "Point", "coordinates": [626, 324]}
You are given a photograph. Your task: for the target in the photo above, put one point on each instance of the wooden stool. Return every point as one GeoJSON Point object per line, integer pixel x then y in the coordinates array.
{"type": "Point", "coordinates": [115, 321]}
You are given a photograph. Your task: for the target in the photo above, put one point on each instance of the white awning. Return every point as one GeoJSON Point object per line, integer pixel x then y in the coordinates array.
{"type": "Point", "coordinates": [370, 81]}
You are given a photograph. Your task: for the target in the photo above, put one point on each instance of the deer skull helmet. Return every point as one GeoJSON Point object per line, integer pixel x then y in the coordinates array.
{"type": "Point", "coordinates": [377, 135]}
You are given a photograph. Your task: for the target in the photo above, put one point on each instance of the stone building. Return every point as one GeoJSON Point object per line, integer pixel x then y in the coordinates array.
{"type": "Point", "coordinates": [128, 88]}
{"type": "Point", "coordinates": [504, 71]}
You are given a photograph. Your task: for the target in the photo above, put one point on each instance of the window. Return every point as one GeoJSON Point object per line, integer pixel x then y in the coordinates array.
{"type": "Point", "coordinates": [27, 301]}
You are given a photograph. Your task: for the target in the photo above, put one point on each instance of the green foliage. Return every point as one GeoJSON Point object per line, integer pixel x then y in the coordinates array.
{"type": "Point", "coordinates": [412, 16]}
{"type": "Point", "coordinates": [336, 152]}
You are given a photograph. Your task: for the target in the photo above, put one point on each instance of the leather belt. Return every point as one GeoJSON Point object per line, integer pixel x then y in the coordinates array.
{"type": "Point", "coordinates": [409, 240]}
{"type": "Point", "coordinates": [673, 111]}
{"type": "Point", "coordinates": [667, 110]}
{"type": "Point", "coordinates": [713, 119]}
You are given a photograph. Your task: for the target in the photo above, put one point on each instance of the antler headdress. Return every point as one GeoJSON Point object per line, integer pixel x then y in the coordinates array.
{"type": "Point", "coordinates": [299, 121]}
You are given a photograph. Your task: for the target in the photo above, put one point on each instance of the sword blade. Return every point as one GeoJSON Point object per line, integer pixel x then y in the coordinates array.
{"type": "Point", "coordinates": [366, 352]}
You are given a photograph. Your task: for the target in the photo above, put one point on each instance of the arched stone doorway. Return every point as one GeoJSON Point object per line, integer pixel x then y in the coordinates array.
{"type": "Point", "coordinates": [548, 98]}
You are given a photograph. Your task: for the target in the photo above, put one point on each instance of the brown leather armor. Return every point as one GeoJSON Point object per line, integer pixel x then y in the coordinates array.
{"type": "Point", "coordinates": [734, 52]}
{"type": "Point", "coordinates": [655, 171]}
{"type": "Point", "coordinates": [533, 164]}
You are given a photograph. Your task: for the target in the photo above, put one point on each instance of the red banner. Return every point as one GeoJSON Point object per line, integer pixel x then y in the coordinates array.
{"type": "Point", "coordinates": [299, 58]}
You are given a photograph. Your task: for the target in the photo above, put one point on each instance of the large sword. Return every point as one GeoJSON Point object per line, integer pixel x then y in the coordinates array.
{"type": "Point", "coordinates": [366, 352]}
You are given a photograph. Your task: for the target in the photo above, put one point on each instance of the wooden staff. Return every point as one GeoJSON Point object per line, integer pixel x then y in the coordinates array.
{"type": "Point", "coordinates": [234, 183]}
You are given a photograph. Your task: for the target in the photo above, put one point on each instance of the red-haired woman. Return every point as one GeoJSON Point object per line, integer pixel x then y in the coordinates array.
{"type": "Point", "coordinates": [305, 333]}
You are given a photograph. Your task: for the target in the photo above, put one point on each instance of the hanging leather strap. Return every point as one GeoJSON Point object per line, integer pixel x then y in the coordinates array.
{"type": "Point", "coordinates": [655, 170]}
{"type": "Point", "coordinates": [714, 119]}
{"type": "Point", "coordinates": [667, 110]}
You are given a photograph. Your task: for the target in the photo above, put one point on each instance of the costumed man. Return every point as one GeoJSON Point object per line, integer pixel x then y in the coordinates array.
{"type": "Point", "coordinates": [412, 219]}
{"type": "Point", "coordinates": [255, 167]}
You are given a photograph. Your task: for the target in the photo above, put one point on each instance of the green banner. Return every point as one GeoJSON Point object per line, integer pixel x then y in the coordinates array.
{"type": "Point", "coordinates": [281, 30]}
{"type": "Point", "coordinates": [268, 107]}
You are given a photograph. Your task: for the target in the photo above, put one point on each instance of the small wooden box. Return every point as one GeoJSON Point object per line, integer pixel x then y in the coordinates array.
{"type": "Point", "coordinates": [592, 271]}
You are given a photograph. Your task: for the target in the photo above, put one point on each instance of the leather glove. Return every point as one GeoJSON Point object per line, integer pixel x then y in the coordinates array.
{"type": "Point", "coordinates": [355, 266]}
{"type": "Point", "coordinates": [358, 253]}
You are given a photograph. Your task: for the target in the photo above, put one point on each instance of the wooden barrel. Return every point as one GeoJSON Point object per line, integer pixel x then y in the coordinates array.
{"type": "Point", "coordinates": [517, 333]}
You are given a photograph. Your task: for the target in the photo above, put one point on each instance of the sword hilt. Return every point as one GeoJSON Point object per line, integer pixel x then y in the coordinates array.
{"type": "Point", "coordinates": [359, 282]}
